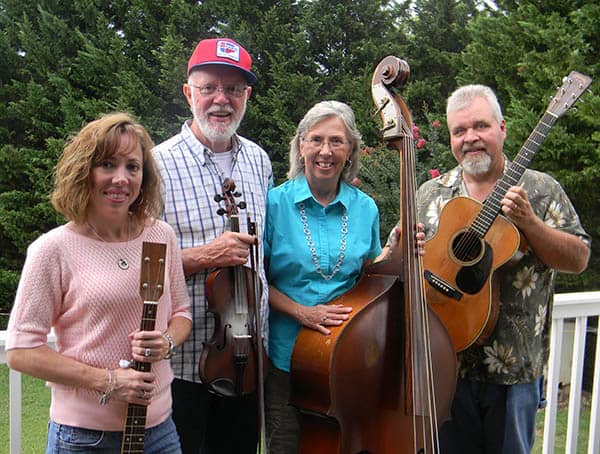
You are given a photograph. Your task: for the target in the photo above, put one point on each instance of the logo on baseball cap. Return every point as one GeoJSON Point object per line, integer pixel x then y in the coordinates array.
{"type": "Point", "coordinates": [222, 51]}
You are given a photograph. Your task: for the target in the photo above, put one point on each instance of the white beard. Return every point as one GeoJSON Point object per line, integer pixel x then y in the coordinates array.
{"type": "Point", "coordinates": [218, 133]}
{"type": "Point", "coordinates": [477, 165]}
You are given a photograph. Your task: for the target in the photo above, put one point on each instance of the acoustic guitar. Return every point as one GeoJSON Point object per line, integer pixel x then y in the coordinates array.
{"type": "Point", "coordinates": [473, 241]}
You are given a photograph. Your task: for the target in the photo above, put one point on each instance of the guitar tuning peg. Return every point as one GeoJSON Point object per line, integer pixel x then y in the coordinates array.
{"type": "Point", "coordinates": [220, 211]}
{"type": "Point", "coordinates": [241, 205]}
{"type": "Point", "coordinates": [218, 197]}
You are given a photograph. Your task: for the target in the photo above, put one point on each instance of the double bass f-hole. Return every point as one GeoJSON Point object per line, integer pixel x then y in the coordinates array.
{"type": "Point", "coordinates": [229, 360]}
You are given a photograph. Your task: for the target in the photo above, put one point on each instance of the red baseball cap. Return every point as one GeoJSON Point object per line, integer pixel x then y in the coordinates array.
{"type": "Point", "coordinates": [222, 51]}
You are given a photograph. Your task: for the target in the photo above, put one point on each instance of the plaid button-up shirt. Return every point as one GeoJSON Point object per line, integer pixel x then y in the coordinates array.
{"type": "Point", "coordinates": [190, 181]}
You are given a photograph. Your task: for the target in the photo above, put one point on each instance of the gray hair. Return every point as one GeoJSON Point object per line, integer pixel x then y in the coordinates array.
{"type": "Point", "coordinates": [463, 97]}
{"type": "Point", "coordinates": [316, 114]}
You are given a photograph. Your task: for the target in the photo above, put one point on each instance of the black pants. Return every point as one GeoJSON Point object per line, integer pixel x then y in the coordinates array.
{"type": "Point", "coordinates": [211, 424]}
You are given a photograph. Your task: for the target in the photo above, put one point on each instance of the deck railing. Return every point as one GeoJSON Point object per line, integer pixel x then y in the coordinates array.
{"type": "Point", "coordinates": [568, 307]}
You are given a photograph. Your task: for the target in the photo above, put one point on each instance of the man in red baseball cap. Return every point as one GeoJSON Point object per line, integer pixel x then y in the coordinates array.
{"type": "Point", "coordinates": [194, 165]}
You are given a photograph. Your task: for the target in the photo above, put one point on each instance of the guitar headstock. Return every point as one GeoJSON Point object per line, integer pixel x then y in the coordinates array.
{"type": "Point", "coordinates": [152, 275]}
{"type": "Point", "coordinates": [574, 85]}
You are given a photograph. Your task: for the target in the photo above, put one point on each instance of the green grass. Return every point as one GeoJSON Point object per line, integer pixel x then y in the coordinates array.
{"type": "Point", "coordinates": [34, 414]}
{"type": "Point", "coordinates": [36, 399]}
{"type": "Point", "coordinates": [561, 429]}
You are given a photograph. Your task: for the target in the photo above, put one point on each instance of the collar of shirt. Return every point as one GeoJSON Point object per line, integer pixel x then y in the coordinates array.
{"type": "Point", "coordinates": [302, 192]}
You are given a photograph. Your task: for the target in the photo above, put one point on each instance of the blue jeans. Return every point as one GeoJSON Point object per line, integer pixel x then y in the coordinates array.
{"type": "Point", "coordinates": [492, 419]}
{"type": "Point", "coordinates": [63, 439]}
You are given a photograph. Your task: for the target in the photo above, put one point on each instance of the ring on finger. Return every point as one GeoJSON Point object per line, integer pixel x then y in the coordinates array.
{"type": "Point", "coordinates": [324, 318]}
{"type": "Point", "coordinates": [147, 352]}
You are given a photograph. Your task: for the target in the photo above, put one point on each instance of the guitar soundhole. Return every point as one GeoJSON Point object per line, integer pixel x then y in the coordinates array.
{"type": "Point", "coordinates": [467, 246]}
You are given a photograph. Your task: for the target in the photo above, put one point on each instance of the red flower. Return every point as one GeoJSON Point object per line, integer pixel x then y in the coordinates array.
{"type": "Point", "coordinates": [436, 124]}
{"type": "Point", "coordinates": [355, 182]}
{"type": "Point", "coordinates": [434, 173]}
{"type": "Point", "coordinates": [415, 129]}
{"type": "Point", "coordinates": [421, 143]}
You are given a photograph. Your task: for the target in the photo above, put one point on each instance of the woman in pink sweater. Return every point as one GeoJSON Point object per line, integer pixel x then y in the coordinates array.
{"type": "Point", "coordinates": [83, 280]}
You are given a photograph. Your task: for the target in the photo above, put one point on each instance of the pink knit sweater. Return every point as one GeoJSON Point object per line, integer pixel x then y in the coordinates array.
{"type": "Point", "coordinates": [74, 284]}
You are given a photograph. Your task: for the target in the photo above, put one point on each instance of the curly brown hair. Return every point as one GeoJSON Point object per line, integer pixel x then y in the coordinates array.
{"type": "Point", "coordinates": [94, 143]}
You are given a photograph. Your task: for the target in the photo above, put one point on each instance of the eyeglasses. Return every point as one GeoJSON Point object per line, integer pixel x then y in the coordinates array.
{"type": "Point", "coordinates": [235, 91]}
{"type": "Point", "coordinates": [316, 142]}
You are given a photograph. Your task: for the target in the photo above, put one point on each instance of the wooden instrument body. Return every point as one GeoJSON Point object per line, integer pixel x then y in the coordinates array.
{"type": "Point", "coordinates": [234, 334]}
{"type": "Point", "coordinates": [474, 315]}
{"type": "Point", "coordinates": [350, 384]}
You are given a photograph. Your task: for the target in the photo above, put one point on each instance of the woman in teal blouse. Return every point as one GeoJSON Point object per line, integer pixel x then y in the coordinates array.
{"type": "Point", "coordinates": [320, 232]}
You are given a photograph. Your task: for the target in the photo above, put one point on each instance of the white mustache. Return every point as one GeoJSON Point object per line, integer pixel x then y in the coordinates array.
{"type": "Point", "coordinates": [220, 109]}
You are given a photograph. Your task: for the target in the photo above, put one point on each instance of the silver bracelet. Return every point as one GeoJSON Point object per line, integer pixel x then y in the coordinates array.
{"type": "Point", "coordinates": [171, 342]}
{"type": "Point", "coordinates": [112, 381]}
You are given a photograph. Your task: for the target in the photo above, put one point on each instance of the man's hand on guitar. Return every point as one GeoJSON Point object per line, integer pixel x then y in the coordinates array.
{"type": "Point", "coordinates": [516, 207]}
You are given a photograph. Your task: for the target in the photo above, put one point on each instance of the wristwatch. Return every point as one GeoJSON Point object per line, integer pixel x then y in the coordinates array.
{"type": "Point", "coordinates": [171, 350]}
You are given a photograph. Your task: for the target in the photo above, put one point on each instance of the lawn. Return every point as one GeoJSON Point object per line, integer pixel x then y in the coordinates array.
{"type": "Point", "coordinates": [36, 398]}
{"type": "Point", "coordinates": [34, 415]}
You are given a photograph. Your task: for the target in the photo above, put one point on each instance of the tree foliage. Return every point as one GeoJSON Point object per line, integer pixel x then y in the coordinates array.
{"type": "Point", "coordinates": [67, 62]}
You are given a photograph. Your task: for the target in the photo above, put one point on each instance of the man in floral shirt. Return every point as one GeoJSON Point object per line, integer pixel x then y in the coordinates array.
{"type": "Point", "coordinates": [498, 390]}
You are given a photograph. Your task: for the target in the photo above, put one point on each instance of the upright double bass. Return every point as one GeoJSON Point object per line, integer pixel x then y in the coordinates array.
{"type": "Point", "coordinates": [384, 380]}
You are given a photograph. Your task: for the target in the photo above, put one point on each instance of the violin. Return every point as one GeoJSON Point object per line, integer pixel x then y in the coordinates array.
{"type": "Point", "coordinates": [232, 362]}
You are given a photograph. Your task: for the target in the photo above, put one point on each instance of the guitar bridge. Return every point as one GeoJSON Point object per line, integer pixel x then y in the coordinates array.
{"type": "Point", "coordinates": [442, 286]}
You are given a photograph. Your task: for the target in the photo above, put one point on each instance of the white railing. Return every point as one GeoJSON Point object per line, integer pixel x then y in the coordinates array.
{"type": "Point", "coordinates": [14, 395]}
{"type": "Point", "coordinates": [567, 306]}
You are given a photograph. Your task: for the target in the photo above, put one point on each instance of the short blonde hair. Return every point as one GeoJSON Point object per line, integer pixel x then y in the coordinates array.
{"type": "Point", "coordinates": [94, 143]}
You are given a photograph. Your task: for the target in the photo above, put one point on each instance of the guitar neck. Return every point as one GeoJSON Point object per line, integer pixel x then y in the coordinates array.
{"type": "Point", "coordinates": [493, 204]}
